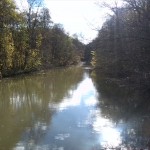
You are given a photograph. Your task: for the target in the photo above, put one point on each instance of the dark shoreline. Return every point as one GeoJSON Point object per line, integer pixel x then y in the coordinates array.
{"type": "Point", "coordinates": [134, 81]}
{"type": "Point", "coordinates": [32, 72]}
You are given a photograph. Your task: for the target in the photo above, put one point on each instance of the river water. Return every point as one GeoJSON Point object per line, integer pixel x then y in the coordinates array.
{"type": "Point", "coordinates": [62, 110]}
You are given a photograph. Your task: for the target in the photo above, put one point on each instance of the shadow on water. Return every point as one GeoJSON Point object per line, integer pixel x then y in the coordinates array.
{"type": "Point", "coordinates": [25, 104]}
{"type": "Point", "coordinates": [64, 109]}
{"type": "Point", "coordinates": [128, 106]}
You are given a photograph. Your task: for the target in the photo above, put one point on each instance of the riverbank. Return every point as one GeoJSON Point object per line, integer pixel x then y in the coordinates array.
{"type": "Point", "coordinates": [134, 81]}
{"type": "Point", "coordinates": [35, 71]}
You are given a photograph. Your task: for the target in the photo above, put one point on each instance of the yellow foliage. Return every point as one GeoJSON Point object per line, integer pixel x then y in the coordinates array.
{"type": "Point", "coordinates": [93, 61]}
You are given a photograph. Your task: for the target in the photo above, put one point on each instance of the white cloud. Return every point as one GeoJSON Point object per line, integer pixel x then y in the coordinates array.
{"type": "Point", "coordinates": [76, 16]}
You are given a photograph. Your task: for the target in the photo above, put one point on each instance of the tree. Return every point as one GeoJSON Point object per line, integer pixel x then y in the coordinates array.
{"type": "Point", "coordinates": [120, 50]}
{"type": "Point", "coordinates": [32, 23]}
{"type": "Point", "coordinates": [45, 18]}
{"type": "Point", "coordinates": [29, 40]}
{"type": "Point", "coordinates": [8, 17]}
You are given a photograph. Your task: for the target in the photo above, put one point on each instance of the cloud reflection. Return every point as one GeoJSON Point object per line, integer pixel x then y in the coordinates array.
{"type": "Point", "coordinates": [86, 96]}
{"type": "Point", "coordinates": [109, 135]}
{"type": "Point", "coordinates": [85, 93]}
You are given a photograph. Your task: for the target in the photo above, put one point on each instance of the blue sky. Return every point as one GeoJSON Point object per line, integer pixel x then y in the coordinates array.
{"type": "Point", "coordinates": [81, 17]}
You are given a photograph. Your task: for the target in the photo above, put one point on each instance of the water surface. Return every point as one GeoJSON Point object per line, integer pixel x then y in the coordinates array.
{"type": "Point", "coordinates": [63, 109]}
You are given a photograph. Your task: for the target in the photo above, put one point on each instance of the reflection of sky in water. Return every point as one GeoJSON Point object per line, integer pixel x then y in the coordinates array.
{"type": "Point", "coordinates": [110, 136]}
{"type": "Point", "coordinates": [86, 94]}
{"type": "Point", "coordinates": [77, 121]}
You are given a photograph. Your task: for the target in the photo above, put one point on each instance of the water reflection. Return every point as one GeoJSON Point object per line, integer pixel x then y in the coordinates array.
{"type": "Point", "coordinates": [84, 94]}
{"type": "Point", "coordinates": [48, 111]}
{"type": "Point", "coordinates": [24, 101]}
{"type": "Point", "coordinates": [70, 126]}
{"type": "Point", "coordinates": [110, 135]}
{"type": "Point", "coordinates": [128, 107]}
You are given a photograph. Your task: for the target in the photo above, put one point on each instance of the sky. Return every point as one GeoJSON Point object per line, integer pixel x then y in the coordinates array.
{"type": "Point", "coordinates": [80, 17]}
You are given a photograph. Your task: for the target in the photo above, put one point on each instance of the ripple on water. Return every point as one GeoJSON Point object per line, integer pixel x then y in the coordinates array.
{"type": "Point", "coordinates": [62, 136]}
{"type": "Point", "coordinates": [59, 148]}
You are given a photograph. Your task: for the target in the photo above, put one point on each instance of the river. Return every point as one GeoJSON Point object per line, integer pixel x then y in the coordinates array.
{"type": "Point", "coordinates": [63, 109]}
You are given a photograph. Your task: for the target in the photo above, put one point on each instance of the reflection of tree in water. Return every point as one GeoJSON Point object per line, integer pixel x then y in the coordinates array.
{"type": "Point", "coordinates": [128, 106]}
{"type": "Point", "coordinates": [24, 103]}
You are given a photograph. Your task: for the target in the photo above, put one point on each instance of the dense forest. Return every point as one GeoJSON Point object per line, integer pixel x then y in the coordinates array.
{"type": "Point", "coordinates": [29, 40]}
{"type": "Point", "coordinates": [122, 48]}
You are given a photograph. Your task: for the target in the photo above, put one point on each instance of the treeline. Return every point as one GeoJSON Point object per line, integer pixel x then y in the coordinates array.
{"type": "Point", "coordinates": [29, 40]}
{"type": "Point", "coordinates": [122, 47]}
